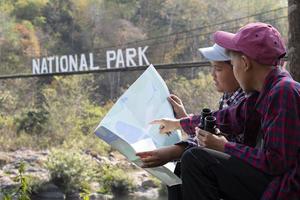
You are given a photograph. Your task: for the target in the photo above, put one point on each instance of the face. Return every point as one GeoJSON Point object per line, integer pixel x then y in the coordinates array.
{"type": "Point", "coordinates": [223, 76]}
{"type": "Point", "coordinates": [241, 72]}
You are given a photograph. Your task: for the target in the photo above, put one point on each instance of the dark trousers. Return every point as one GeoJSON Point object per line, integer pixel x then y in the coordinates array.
{"type": "Point", "coordinates": [208, 174]}
{"type": "Point", "coordinates": [174, 192]}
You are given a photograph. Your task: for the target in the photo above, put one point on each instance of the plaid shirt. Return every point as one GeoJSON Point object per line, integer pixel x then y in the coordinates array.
{"type": "Point", "coordinates": [243, 135]}
{"type": "Point", "coordinates": [243, 111]}
{"type": "Point", "coordinates": [229, 99]}
{"type": "Point", "coordinates": [278, 105]}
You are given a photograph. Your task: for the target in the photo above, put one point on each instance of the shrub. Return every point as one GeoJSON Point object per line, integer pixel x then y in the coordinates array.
{"type": "Point", "coordinates": [71, 170]}
{"type": "Point", "coordinates": [33, 121]}
{"type": "Point", "coordinates": [116, 181]}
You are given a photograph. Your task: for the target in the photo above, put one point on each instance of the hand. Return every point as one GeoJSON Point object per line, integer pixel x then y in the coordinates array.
{"type": "Point", "coordinates": [160, 156]}
{"type": "Point", "coordinates": [167, 125]}
{"type": "Point", "coordinates": [211, 141]}
{"type": "Point", "coordinates": [178, 107]}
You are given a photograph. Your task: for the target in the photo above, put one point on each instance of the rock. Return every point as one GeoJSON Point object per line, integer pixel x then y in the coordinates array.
{"type": "Point", "coordinates": [7, 183]}
{"type": "Point", "coordinates": [148, 194]}
{"type": "Point", "coordinates": [49, 196]}
{"type": "Point", "coordinates": [4, 159]}
{"type": "Point", "coordinates": [49, 192]}
{"type": "Point", "coordinates": [73, 196]}
{"type": "Point", "coordinates": [134, 166]}
{"type": "Point", "coordinates": [33, 167]}
{"type": "Point", "coordinates": [97, 196]}
{"type": "Point", "coordinates": [95, 186]}
{"type": "Point", "coordinates": [149, 184]}
{"type": "Point", "coordinates": [44, 153]}
{"type": "Point", "coordinates": [139, 177]}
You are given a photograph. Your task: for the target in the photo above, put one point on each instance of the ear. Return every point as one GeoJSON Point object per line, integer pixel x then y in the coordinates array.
{"type": "Point", "coordinates": [247, 65]}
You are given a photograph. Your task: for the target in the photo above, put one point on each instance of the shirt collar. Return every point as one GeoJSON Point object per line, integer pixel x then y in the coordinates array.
{"type": "Point", "coordinates": [269, 82]}
{"type": "Point", "coordinates": [228, 98]}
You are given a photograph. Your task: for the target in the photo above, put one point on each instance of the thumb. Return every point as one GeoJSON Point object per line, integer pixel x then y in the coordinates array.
{"type": "Point", "coordinates": [144, 154]}
{"type": "Point", "coordinates": [173, 102]}
{"type": "Point", "coordinates": [175, 98]}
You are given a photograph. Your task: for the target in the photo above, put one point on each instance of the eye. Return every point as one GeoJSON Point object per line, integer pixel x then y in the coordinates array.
{"type": "Point", "coordinates": [218, 69]}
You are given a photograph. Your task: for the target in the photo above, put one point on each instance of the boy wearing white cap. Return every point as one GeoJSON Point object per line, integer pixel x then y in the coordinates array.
{"type": "Point", "coordinates": [223, 77]}
{"type": "Point", "coordinates": [232, 94]}
{"type": "Point", "coordinates": [226, 83]}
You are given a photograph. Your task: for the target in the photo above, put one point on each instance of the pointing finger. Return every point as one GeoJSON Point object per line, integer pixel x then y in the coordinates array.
{"type": "Point", "coordinates": [156, 121]}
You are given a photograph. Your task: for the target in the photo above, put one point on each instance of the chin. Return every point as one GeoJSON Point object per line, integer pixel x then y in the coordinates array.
{"type": "Point", "coordinates": [220, 90]}
{"type": "Point", "coordinates": [247, 90]}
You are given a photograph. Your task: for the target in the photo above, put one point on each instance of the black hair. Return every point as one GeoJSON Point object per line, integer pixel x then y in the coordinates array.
{"type": "Point", "coordinates": [228, 62]}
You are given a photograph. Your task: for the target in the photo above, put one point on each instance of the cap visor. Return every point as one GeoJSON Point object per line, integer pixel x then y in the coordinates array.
{"type": "Point", "coordinates": [225, 40]}
{"type": "Point", "coordinates": [211, 54]}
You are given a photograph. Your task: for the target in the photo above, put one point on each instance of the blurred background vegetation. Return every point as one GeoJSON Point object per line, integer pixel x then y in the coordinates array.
{"type": "Point", "coordinates": [61, 112]}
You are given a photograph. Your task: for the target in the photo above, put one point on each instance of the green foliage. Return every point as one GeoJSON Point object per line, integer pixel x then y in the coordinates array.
{"type": "Point", "coordinates": [163, 190]}
{"type": "Point", "coordinates": [30, 10]}
{"type": "Point", "coordinates": [33, 121]}
{"type": "Point", "coordinates": [10, 46]}
{"type": "Point", "coordinates": [7, 101]}
{"type": "Point", "coordinates": [124, 9]}
{"type": "Point", "coordinates": [71, 170]}
{"type": "Point", "coordinates": [61, 115]}
{"type": "Point", "coordinates": [17, 43]}
{"type": "Point", "coordinates": [116, 181]}
{"type": "Point", "coordinates": [89, 118]}
{"type": "Point", "coordinates": [85, 194]}
{"type": "Point", "coordinates": [23, 191]}
{"type": "Point", "coordinates": [6, 122]}
{"type": "Point", "coordinates": [195, 93]}
{"type": "Point", "coordinates": [62, 27]}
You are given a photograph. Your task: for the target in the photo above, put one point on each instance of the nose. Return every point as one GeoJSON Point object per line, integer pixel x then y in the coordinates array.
{"type": "Point", "coordinates": [213, 73]}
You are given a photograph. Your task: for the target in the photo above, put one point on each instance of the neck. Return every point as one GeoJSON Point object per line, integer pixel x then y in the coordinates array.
{"type": "Point", "coordinates": [233, 90]}
{"type": "Point", "coordinates": [260, 77]}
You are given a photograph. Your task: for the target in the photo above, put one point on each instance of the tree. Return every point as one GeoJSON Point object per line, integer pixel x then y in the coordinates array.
{"type": "Point", "coordinates": [294, 38]}
{"type": "Point", "coordinates": [61, 25]}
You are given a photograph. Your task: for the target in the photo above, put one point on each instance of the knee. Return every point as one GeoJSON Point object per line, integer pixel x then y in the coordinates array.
{"type": "Point", "coordinates": [195, 157]}
{"type": "Point", "coordinates": [191, 157]}
{"type": "Point", "coordinates": [188, 157]}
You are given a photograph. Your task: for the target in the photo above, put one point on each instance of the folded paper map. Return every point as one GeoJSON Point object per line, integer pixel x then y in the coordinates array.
{"type": "Point", "coordinates": [126, 126]}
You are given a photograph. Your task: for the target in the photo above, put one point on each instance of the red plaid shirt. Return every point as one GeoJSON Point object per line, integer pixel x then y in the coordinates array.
{"type": "Point", "coordinates": [278, 105]}
{"type": "Point", "coordinates": [229, 99]}
{"type": "Point", "coordinates": [230, 120]}
{"type": "Point", "coordinates": [226, 102]}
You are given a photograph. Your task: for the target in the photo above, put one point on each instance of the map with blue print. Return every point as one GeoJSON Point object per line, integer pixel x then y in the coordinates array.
{"type": "Point", "coordinates": [126, 126]}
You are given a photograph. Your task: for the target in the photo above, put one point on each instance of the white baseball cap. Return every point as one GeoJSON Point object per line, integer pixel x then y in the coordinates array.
{"type": "Point", "coordinates": [214, 53]}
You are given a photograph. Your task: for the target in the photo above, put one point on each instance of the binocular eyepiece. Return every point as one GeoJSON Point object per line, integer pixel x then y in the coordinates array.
{"type": "Point", "coordinates": [208, 122]}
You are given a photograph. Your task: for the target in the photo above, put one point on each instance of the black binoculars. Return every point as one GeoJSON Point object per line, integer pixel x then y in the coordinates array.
{"type": "Point", "coordinates": [208, 121]}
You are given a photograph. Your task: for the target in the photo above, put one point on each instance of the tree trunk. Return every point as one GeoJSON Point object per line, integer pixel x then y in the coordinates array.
{"type": "Point", "coordinates": [294, 38]}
